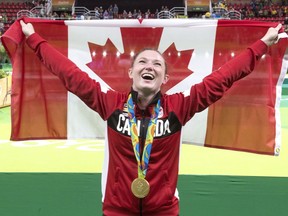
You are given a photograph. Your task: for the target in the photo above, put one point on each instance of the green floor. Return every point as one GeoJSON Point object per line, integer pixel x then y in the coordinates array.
{"type": "Point", "coordinates": [73, 194]}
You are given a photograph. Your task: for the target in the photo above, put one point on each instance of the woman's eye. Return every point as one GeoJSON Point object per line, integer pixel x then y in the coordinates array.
{"type": "Point", "coordinates": [141, 61]}
{"type": "Point", "coordinates": [158, 64]}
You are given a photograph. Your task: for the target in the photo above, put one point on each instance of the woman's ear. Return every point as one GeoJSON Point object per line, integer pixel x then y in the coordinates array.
{"type": "Point", "coordinates": [130, 73]}
{"type": "Point", "coordinates": [166, 78]}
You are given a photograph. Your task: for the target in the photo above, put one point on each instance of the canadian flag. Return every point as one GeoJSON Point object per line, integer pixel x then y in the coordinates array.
{"type": "Point", "coordinates": [247, 118]}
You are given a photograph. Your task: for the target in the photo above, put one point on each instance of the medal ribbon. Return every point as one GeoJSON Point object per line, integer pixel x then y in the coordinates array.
{"type": "Point", "coordinates": [142, 164]}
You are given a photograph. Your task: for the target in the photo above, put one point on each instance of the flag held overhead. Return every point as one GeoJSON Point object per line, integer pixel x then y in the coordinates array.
{"type": "Point", "coordinates": [245, 119]}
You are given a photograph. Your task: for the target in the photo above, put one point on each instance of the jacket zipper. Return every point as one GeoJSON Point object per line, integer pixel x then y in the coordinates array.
{"type": "Point", "coordinates": [142, 143]}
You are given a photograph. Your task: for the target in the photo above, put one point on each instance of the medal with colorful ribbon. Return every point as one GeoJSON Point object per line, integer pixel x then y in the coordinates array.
{"type": "Point", "coordinates": [140, 186]}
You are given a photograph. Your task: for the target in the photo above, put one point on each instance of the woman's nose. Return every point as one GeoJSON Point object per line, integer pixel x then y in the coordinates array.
{"type": "Point", "coordinates": [149, 66]}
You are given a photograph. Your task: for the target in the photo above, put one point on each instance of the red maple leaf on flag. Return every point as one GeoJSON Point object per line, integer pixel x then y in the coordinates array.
{"type": "Point", "coordinates": [112, 66]}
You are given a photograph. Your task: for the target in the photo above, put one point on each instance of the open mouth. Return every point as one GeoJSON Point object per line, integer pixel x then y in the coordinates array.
{"type": "Point", "coordinates": [147, 76]}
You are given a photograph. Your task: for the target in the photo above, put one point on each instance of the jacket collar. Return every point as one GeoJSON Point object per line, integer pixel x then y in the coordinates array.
{"type": "Point", "coordinates": [153, 102]}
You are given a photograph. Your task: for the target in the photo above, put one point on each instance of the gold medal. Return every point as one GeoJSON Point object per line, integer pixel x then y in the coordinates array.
{"type": "Point", "coordinates": [140, 187]}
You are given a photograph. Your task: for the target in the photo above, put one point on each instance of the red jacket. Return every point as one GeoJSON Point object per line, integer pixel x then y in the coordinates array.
{"type": "Point", "coordinates": [120, 164]}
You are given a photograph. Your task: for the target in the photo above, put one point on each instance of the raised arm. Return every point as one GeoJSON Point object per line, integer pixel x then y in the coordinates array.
{"type": "Point", "coordinates": [214, 86]}
{"type": "Point", "coordinates": [72, 77]}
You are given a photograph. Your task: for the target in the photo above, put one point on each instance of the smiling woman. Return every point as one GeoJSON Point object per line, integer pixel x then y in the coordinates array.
{"type": "Point", "coordinates": [149, 73]}
{"type": "Point", "coordinates": [142, 116]}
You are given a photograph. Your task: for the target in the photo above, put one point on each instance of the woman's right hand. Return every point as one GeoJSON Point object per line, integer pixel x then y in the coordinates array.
{"type": "Point", "coordinates": [27, 29]}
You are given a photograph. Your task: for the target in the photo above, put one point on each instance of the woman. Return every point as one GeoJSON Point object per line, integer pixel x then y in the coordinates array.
{"type": "Point", "coordinates": [144, 125]}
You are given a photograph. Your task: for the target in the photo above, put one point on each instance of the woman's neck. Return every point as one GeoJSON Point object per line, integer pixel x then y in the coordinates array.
{"type": "Point", "coordinates": [144, 101]}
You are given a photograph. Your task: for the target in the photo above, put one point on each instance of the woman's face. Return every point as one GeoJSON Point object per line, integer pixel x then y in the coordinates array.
{"type": "Point", "coordinates": [148, 72]}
